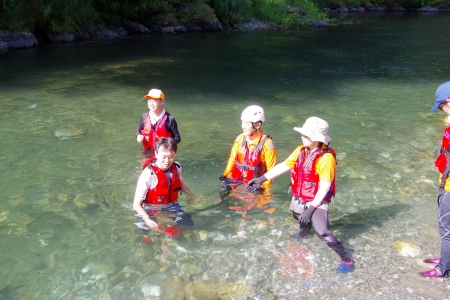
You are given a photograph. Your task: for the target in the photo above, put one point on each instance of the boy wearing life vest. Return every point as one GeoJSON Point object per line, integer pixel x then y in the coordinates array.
{"type": "Point", "coordinates": [158, 187]}
{"type": "Point", "coordinates": [156, 123]}
{"type": "Point", "coordinates": [442, 268]}
{"type": "Point", "coordinates": [313, 176]}
{"type": "Point", "coordinates": [253, 153]}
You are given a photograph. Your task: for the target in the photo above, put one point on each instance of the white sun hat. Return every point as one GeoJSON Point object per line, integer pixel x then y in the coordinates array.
{"type": "Point", "coordinates": [315, 129]}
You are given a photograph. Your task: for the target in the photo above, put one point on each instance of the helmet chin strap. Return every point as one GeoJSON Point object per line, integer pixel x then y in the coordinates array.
{"type": "Point", "coordinates": [254, 129]}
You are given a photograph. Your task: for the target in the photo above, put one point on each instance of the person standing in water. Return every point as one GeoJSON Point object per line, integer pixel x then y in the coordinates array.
{"type": "Point", "coordinates": [158, 187]}
{"type": "Point", "coordinates": [253, 153]}
{"type": "Point", "coordinates": [155, 124]}
{"type": "Point", "coordinates": [313, 177]}
{"type": "Point", "coordinates": [442, 268]}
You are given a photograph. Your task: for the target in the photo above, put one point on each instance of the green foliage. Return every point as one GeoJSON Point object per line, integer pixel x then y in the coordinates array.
{"type": "Point", "coordinates": [67, 16]}
{"type": "Point", "coordinates": [287, 12]}
{"type": "Point", "coordinates": [72, 15]}
{"type": "Point", "coordinates": [231, 11]}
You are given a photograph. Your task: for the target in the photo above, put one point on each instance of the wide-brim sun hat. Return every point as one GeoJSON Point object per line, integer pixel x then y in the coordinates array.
{"type": "Point", "coordinates": [154, 94]}
{"type": "Point", "coordinates": [315, 129]}
{"type": "Point", "coordinates": [442, 94]}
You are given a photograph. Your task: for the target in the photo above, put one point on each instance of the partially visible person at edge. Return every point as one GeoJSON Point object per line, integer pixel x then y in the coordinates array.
{"type": "Point", "coordinates": [442, 268]}
{"type": "Point", "coordinates": [252, 154]}
{"type": "Point", "coordinates": [156, 123]}
{"type": "Point", "coordinates": [313, 168]}
{"type": "Point", "coordinates": [158, 187]}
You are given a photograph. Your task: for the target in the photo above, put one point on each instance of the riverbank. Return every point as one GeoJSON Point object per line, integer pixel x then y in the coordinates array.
{"type": "Point", "coordinates": [10, 41]}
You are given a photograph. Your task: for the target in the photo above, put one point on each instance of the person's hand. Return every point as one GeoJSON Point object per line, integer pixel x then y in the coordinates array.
{"type": "Point", "coordinates": [305, 217]}
{"type": "Point", "coordinates": [190, 198]}
{"type": "Point", "coordinates": [254, 184]}
{"type": "Point", "coordinates": [151, 224]}
{"type": "Point", "coordinates": [222, 177]}
{"type": "Point", "coordinates": [140, 138]}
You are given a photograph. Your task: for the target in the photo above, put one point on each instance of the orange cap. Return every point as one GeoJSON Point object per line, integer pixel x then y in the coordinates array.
{"type": "Point", "coordinates": [154, 94]}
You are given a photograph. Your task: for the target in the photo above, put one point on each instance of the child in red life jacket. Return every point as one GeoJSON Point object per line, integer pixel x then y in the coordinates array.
{"type": "Point", "coordinates": [158, 187]}
{"type": "Point", "coordinates": [156, 123]}
{"type": "Point", "coordinates": [313, 168]}
{"type": "Point", "coordinates": [442, 268]}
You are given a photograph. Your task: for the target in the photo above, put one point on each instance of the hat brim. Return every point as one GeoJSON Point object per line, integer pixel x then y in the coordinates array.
{"type": "Point", "coordinates": [436, 105]}
{"type": "Point", "coordinates": [322, 138]}
{"type": "Point", "coordinates": [148, 97]}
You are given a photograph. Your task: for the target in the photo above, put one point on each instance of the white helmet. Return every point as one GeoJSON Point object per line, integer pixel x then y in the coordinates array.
{"type": "Point", "coordinates": [253, 113]}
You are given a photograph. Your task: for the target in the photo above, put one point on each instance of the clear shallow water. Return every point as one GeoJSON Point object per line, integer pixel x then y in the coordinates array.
{"type": "Point", "coordinates": [69, 161]}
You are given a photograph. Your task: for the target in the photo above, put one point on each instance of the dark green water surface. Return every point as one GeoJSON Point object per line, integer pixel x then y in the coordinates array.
{"type": "Point", "coordinates": [69, 161]}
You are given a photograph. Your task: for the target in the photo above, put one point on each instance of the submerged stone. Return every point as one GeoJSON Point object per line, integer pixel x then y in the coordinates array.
{"type": "Point", "coordinates": [173, 288]}
{"type": "Point", "coordinates": [211, 289]}
{"type": "Point", "coordinates": [406, 249]}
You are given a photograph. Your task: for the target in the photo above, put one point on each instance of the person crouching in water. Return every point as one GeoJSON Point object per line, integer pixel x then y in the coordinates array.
{"type": "Point", "coordinates": [155, 124]}
{"type": "Point", "coordinates": [253, 153]}
{"type": "Point", "coordinates": [442, 268]}
{"type": "Point", "coordinates": [313, 168]}
{"type": "Point", "coordinates": [158, 187]}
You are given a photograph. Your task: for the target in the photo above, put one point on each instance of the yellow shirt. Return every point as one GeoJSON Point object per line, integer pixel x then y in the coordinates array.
{"type": "Point", "coordinates": [447, 182]}
{"type": "Point", "coordinates": [268, 155]}
{"type": "Point", "coordinates": [325, 165]}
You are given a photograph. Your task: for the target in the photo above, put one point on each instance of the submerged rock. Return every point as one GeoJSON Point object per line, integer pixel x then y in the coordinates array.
{"type": "Point", "coordinates": [211, 289]}
{"type": "Point", "coordinates": [173, 288]}
{"type": "Point", "coordinates": [406, 249]}
{"type": "Point", "coordinates": [65, 134]}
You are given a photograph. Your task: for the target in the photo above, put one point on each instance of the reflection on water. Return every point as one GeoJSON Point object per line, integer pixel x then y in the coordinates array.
{"type": "Point", "coordinates": [70, 162]}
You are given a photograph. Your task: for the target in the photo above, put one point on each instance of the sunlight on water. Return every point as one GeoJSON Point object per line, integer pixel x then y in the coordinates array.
{"type": "Point", "coordinates": [70, 163]}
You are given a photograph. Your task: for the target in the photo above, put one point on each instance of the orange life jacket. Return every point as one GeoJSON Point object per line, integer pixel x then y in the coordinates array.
{"type": "Point", "coordinates": [248, 164]}
{"type": "Point", "coordinates": [304, 178]}
{"type": "Point", "coordinates": [443, 160]}
{"type": "Point", "coordinates": [153, 133]}
{"type": "Point", "coordinates": [164, 192]}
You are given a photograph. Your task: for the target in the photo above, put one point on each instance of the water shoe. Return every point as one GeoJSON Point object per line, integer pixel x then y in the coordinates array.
{"type": "Point", "coordinates": [435, 260]}
{"type": "Point", "coordinates": [300, 238]}
{"type": "Point", "coordinates": [346, 267]}
{"type": "Point", "coordinates": [436, 272]}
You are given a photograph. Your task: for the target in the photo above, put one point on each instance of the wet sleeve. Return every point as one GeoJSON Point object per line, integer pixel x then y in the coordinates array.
{"type": "Point", "coordinates": [326, 167]}
{"type": "Point", "coordinates": [146, 181]}
{"type": "Point", "coordinates": [141, 124]}
{"type": "Point", "coordinates": [172, 126]}
{"type": "Point", "coordinates": [232, 158]}
{"type": "Point", "coordinates": [270, 158]}
{"type": "Point", "coordinates": [290, 161]}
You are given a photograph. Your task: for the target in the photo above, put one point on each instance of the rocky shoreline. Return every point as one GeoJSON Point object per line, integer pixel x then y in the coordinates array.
{"type": "Point", "coordinates": [10, 41]}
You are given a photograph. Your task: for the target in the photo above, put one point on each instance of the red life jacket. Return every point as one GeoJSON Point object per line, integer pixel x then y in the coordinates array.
{"type": "Point", "coordinates": [153, 133]}
{"type": "Point", "coordinates": [305, 180]}
{"type": "Point", "coordinates": [248, 164]}
{"type": "Point", "coordinates": [164, 192]}
{"type": "Point", "coordinates": [443, 160]}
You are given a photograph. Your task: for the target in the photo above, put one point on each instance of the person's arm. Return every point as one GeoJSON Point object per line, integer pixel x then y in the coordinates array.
{"type": "Point", "coordinates": [187, 191]}
{"type": "Point", "coordinates": [326, 168]}
{"type": "Point", "coordinates": [277, 171]}
{"type": "Point", "coordinates": [232, 158]}
{"type": "Point", "coordinates": [183, 186]}
{"type": "Point", "coordinates": [173, 127]}
{"type": "Point", "coordinates": [139, 136]}
{"type": "Point", "coordinates": [270, 158]}
{"type": "Point", "coordinates": [139, 197]}
{"type": "Point", "coordinates": [324, 187]}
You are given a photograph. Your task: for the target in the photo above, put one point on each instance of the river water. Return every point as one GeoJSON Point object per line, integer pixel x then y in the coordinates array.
{"type": "Point", "coordinates": [70, 161]}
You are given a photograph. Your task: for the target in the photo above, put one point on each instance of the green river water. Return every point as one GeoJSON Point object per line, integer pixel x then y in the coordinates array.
{"type": "Point", "coordinates": [69, 162]}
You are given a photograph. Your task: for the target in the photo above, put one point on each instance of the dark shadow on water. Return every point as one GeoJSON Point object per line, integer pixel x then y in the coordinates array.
{"type": "Point", "coordinates": [354, 224]}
